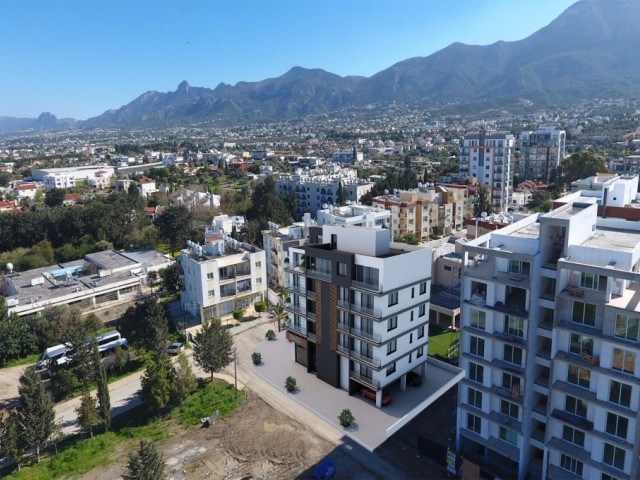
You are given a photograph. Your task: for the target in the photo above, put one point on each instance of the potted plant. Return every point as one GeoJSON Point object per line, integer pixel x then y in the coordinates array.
{"type": "Point", "coordinates": [256, 357]}
{"type": "Point", "coordinates": [270, 335]}
{"type": "Point", "coordinates": [346, 418]}
{"type": "Point", "coordinates": [290, 384]}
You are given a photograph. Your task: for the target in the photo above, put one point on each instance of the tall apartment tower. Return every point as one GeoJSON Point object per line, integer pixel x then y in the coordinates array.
{"type": "Point", "coordinates": [488, 156]}
{"type": "Point", "coordinates": [540, 153]}
{"type": "Point", "coordinates": [550, 322]}
{"type": "Point", "coordinates": [359, 307]}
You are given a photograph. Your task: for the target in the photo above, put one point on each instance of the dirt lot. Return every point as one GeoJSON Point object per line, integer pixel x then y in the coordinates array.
{"type": "Point", "coordinates": [256, 442]}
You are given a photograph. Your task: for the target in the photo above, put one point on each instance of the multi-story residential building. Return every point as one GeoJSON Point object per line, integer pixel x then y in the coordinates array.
{"type": "Point", "coordinates": [25, 190]}
{"type": "Point", "coordinates": [425, 212]}
{"type": "Point", "coordinates": [220, 276]}
{"type": "Point", "coordinates": [540, 153]}
{"type": "Point", "coordinates": [276, 241]}
{"type": "Point", "coordinates": [349, 156]}
{"type": "Point", "coordinates": [487, 156]}
{"type": "Point", "coordinates": [358, 307]}
{"type": "Point", "coordinates": [59, 180]}
{"type": "Point", "coordinates": [225, 223]}
{"type": "Point", "coordinates": [550, 346]}
{"type": "Point", "coordinates": [355, 215]}
{"type": "Point", "coordinates": [316, 189]}
{"type": "Point", "coordinates": [147, 186]}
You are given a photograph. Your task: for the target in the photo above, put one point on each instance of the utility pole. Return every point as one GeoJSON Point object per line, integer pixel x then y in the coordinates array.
{"type": "Point", "coordinates": [235, 373]}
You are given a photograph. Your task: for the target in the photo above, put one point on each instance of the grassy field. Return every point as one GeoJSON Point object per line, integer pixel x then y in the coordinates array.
{"type": "Point", "coordinates": [79, 456]}
{"type": "Point", "coordinates": [28, 360]}
{"type": "Point", "coordinates": [440, 340]}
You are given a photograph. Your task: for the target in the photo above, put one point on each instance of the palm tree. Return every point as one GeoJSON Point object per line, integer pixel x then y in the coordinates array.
{"type": "Point", "coordinates": [279, 314]}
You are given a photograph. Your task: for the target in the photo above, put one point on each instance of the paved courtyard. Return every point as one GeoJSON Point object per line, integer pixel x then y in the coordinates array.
{"type": "Point", "coordinates": [373, 426]}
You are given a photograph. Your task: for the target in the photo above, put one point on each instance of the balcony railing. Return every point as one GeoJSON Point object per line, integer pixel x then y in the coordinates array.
{"type": "Point", "coordinates": [361, 357]}
{"type": "Point", "coordinates": [360, 309]}
{"type": "Point", "coordinates": [296, 328]}
{"type": "Point", "coordinates": [368, 381]}
{"type": "Point", "coordinates": [372, 337]}
{"type": "Point", "coordinates": [319, 274]}
{"type": "Point", "coordinates": [371, 286]}
{"type": "Point", "coordinates": [295, 308]}
{"type": "Point", "coordinates": [296, 289]}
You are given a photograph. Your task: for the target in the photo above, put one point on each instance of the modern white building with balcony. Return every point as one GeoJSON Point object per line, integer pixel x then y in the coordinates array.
{"type": "Point", "coordinates": [550, 345]}
{"type": "Point", "coordinates": [359, 307]}
{"type": "Point", "coordinates": [220, 276]}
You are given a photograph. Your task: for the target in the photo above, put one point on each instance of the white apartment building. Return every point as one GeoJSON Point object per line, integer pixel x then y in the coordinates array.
{"type": "Point", "coordinates": [359, 307]}
{"type": "Point", "coordinates": [220, 276]}
{"type": "Point", "coordinates": [355, 215]}
{"type": "Point", "coordinates": [81, 172]}
{"type": "Point", "coordinates": [541, 151]}
{"type": "Point", "coordinates": [225, 223]}
{"type": "Point", "coordinates": [147, 186]}
{"type": "Point", "coordinates": [487, 156]}
{"type": "Point", "coordinates": [550, 345]}
{"type": "Point", "coordinates": [318, 188]}
{"type": "Point", "coordinates": [59, 180]}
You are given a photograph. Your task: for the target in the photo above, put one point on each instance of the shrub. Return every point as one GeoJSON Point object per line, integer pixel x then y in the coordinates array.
{"type": "Point", "coordinates": [346, 418]}
{"type": "Point", "coordinates": [290, 384]}
{"type": "Point", "coordinates": [63, 383]}
{"type": "Point", "coordinates": [270, 335]}
{"type": "Point", "coordinates": [260, 307]}
{"type": "Point", "coordinates": [238, 314]}
{"type": "Point", "coordinates": [257, 358]}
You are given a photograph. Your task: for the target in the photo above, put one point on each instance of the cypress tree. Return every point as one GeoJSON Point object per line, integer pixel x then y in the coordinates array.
{"type": "Point", "coordinates": [145, 464]}
{"type": "Point", "coordinates": [104, 399]}
{"type": "Point", "coordinates": [37, 417]}
{"type": "Point", "coordinates": [11, 442]}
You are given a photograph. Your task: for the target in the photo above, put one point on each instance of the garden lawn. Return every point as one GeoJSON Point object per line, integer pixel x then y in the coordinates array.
{"type": "Point", "coordinates": [440, 340]}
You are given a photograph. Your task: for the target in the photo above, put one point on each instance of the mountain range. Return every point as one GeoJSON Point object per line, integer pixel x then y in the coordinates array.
{"type": "Point", "coordinates": [589, 51]}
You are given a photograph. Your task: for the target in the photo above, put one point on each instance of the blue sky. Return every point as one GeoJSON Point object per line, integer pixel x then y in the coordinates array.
{"type": "Point", "coordinates": [80, 58]}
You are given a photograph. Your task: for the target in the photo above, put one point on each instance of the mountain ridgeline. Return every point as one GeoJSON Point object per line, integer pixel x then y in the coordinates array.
{"type": "Point", "coordinates": [589, 51]}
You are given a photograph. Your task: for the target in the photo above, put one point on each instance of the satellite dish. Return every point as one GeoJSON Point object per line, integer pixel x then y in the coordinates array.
{"type": "Point", "coordinates": [9, 267]}
{"type": "Point", "coordinates": [483, 215]}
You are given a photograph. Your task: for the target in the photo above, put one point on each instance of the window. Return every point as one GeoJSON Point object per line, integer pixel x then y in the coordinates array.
{"type": "Point", "coordinates": [474, 398]}
{"type": "Point", "coordinates": [393, 299]}
{"type": "Point", "coordinates": [476, 346]}
{"type": "Point", "coordinates": [575, 406]}
{"type": "Point", "coordinates": [514, 326]}
{"type": "Point", "coordinates": [617, 425]}
{"type": "Point", "coordinates": [623, 360]}
{"type": "Point", "coordinates": [510, 409]}
{"type": "Point", "coordinates": [508, 435]}
{"type": "Point", "coordinates": [210, 276]}
{"type": "Point", "coordinates": [509, 381]}
{"type": "Point", "coordinates": [258, 264]}
{"type": "Point", "coordinates": [342, 269]}
{"type": "Point", "coordinates": [211, 293]}
{"type": "Point", "coordinates": [391, 347]}
{"type": "Point", "coordinates": [413, 292]}
{"type": "Point", "coordinates": [606, 476]}
{"type": "Point", "coordinates": [613, 456]}
{"type": "Point", "coordinates": [512, 354]}
{"type": "Point", "coordinates": [392, 324]}
{"type": "Point", "coordinates": [419, 352]}
{"type": "Point", "coordinates": [572, 435]}
{"type": "Point", "coordinates": [620, 393]}
{"type": "Point", "coordinates": [516, 266]}
{"type": "Point", "coordinates": [474, 423]}
{"type": "Point", "coordinates": [423, 288]}
{"type": "Point", "coordinates": [627, 327]}
{"type": "Point", "coordinates": [259, 281]}
{"type": "Point", "coordinates": [593, 281]}
{"type": "Point", "coordinates": [478, 319]}
{"type": "Point", "coordinates": [476, 372]}
{"type": "Point", "coordinates": [421, 331]}
{"type": "Point", "coordinates": [584, 313]}
{"type": "Point", "coordinates": [581, 344]}
{"type": "Point", "coordinates": [422, 309]}
{"type": "Point", "coordinates": [410, 338]}
{"type": "Point", "coordinates": [391, 369]}
{"type": "Point", "coordinates": [571, 464]}
{"type": "Point", "coordinates": [579, 376]}
{"type": "Point", "coordinates": [411, 319]}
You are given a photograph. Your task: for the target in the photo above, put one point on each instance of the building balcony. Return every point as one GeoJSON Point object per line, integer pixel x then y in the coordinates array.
{"type": "Point", "coordinates": [296, 289]}
{"type": "Point", "coordinates": [369, 336]}
{"type": "Point", "coordinates": [294, 268]}
{"type": "Point", "coordinates": [299, 329]}
{"type": "Point", "coordinates": [299, 309]}
{"type": "Point", "coordinates": [319, 274]}
{"type": "Point", "coordinates": [359, 309]}
{"type": "Point", "coordinates": [364, 380]}
{"type": "Point", "coordinates": [243, 273]}
{"type": "Point", "coordinates": [360, 357]}
{"type": "Point", "coordinates": [369, 286]}
{"type": "Point", "coordinates": [508, 337]}
{"type": "Point", "coordinates": [514, 393]}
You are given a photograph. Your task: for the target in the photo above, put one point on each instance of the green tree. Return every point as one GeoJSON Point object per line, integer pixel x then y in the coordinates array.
{"type": "Point", "coordinates": [171, 278]}
{"type": "Point", "coordinates": [87, 412]}
{"type": "Point", "coordinates": [37, 416]}
{"type": "Point", "coordinates": [104, 398]}
{"type": "Point", "coordinates": [213, 347]}
{"type": "Point", "coordinates": [279, 315]}
{"type": "Point", "coordinates": [483, 202]}
{"type": "Point", "coordinates": [575, 167]}
{"type": "Point", "coordinates": [156, 385]}
{"type": "Point", "coordinates": [155, 327]}
{"type": "Point", "coordinates": [54, 197]}
{"type": "Point", "coordinates": [341, 195]}
{"type": "Point", "coordinates": [184, 381]}
{"type": "Point", "coordinates": [145, 464]}
{"type": "Point", "coordinates": [17, 337]}
{"type": "Point", "coordinates": [174, 226]}
{"type": "Point", "coordinates": [11, 439]}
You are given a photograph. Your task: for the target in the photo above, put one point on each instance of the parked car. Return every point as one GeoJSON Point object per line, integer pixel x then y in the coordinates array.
{"type": "Point", "coordinates": [370, 394]}
{"type": "Point", "coordinates": [414, 379]}
{"type": "Point", "coordinates": [175, 348]}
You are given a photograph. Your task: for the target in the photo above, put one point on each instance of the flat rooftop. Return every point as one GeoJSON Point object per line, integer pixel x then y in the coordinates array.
{"type": "Point", "coordinates": [610, 239]}
{"type": "Point", "coordinates": [109, 259]}
{"type": "Point", "coordinates": [373, 425]}
{"type": "Point", "coordinates": [531, 230]}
